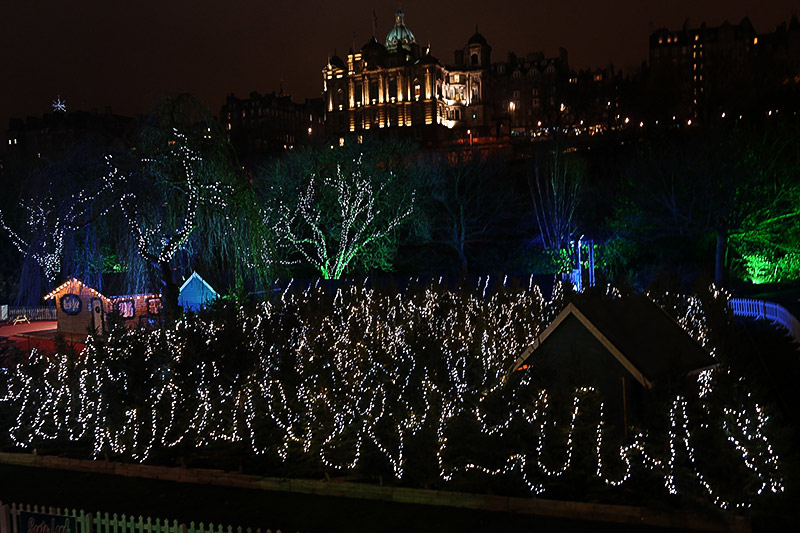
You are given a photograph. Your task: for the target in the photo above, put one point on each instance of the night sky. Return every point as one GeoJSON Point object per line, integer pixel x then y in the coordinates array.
{"type": "Point", "coordinates": [98, 53]}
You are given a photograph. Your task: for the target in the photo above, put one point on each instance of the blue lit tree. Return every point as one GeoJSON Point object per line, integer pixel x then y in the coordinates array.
{"type": "Point", "coordinates": [56, 227]}
{"type": "Point", "coordinates": [151, 212]}
{"type": "Point", "coordinates": [186, 203]}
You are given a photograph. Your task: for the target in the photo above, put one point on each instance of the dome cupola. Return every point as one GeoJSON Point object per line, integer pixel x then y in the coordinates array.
{"type": "Point", "coordinates": [400, 36]}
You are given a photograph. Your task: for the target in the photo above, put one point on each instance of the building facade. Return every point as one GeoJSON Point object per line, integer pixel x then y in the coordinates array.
{"type": "Point", "coordinates": [269, 123]}
{"type": "Point", "coordinates": [705, 72]}
{"type": "Point", "coordinates": [397, 87]}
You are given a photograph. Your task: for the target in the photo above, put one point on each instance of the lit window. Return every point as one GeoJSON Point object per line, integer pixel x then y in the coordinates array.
{"type": "Point", "coordinates": [755, 40]}
{"type": "Point", "coordinates": [126, 308]}
{"type": "Point", "coordinates": [341, 141]}
{"type": "Point", "coordinates": [154, 306]}
{"type": "Point", "coordinates": [456, 78]}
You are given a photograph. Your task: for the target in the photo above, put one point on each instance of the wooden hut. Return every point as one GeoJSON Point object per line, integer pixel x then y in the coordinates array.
{"type": "Point", "coordinates": [196, 293]}
{"type": "Point", "coordinates": [136, 309]}
{"type": "Point", "coordinates": [623, 347]}
{"type": "Point", "coordinates": [80, 308]}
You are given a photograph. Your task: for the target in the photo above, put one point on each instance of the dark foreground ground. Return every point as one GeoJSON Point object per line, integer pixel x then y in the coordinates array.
{"type": "Point", "coordinates": [288, 512]}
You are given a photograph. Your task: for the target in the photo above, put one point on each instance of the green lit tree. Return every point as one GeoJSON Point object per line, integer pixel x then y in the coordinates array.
{"type": "Point", "coordinates": [732, 191]}
{"type": "Point", "coordinates": [340, 208]}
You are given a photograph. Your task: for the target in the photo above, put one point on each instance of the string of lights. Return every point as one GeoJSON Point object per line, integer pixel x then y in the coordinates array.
{"type": "Point", "coordinates": [324, 376]}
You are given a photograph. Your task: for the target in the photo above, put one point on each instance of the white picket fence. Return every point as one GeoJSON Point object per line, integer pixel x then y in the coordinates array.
{"type": "Point", "coordinates": [32, 313]}
{"type": "Point", "coordinates": [760, 309]}
{"type": "Point", "coordinates": [106, 523]}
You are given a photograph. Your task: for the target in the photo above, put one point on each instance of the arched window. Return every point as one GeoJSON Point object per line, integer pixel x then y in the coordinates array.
{"type": "Point", "coordinates": [340, 98]}
{"type": "Point", "coordinates": [474, 58]}
{"type": "Point", "coordinates": [417, 89]}
{"type": "Point", "coordinates": [359, 96]}
{"type": "Point", "coordinates": [373, 91]}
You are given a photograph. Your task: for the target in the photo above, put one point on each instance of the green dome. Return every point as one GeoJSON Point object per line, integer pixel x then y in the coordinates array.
{"type": "Point", "coordinates": [400, 36]}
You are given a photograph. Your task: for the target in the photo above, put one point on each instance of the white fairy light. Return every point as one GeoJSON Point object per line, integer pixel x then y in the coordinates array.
{"type": "Point", "coordinates": [371, 370]}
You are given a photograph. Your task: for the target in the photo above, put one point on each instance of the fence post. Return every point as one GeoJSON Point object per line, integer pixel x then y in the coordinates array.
{"type": "Point", "coordinates": [4, 517]}
{"type": "Point", "coordinates": [15, 509]}
{"type": "Point", "coordinates": [80, 517]}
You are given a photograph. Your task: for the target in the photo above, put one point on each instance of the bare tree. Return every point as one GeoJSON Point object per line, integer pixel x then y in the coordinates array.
{"type": "Point", "coordinates": [555, 185]}
{"type": "Point", "coordinates": [469, 202]}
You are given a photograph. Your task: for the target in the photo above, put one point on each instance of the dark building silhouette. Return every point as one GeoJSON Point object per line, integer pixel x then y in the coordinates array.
{"type": "Point", "coordinates": [701, 73]}
{"type": "Point", "coordinates": [270, 123]}
{"type": "Point", "coordinates": [33, 139]}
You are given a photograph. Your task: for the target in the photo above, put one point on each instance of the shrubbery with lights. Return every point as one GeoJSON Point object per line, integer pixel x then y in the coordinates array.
{"type": "Point", "coordinates": [408, 386]}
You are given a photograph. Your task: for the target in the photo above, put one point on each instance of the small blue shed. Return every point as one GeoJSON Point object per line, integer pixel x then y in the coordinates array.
{"type": "Point", "coordinates": [196, 293]}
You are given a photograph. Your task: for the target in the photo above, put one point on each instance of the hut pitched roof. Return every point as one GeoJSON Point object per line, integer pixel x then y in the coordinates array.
{"type": "Point", "coordinates": [637, 332]}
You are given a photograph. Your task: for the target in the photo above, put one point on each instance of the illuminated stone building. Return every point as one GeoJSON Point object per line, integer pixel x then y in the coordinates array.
{"type": "Point", "coordinates": [398, 86]}
{"type": "Point", "coordinates": [692, 62]}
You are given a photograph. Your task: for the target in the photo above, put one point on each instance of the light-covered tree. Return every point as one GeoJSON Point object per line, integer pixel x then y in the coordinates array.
{"type": "Point", "coordinates": [61, 204]}
{"type": "Point", "coordinates": [340, 209]}
{"type": "Point", "coordinates": [171, 201]}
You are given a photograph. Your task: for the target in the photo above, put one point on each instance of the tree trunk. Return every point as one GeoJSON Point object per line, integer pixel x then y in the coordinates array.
{"type": "Point", "coordinates": [169, 294]}
{"type": "Point", "coordinates": [722, 246]}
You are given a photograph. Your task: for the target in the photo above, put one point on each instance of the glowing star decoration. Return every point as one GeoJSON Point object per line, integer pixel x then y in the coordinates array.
{"type": "Point", "coordinates": [59, 105]}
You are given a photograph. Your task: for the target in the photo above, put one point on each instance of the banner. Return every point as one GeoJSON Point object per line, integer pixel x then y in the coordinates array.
{"type": "Point", "coordinates": [46, 523]}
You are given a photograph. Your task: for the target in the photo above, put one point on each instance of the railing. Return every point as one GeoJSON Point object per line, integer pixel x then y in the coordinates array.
{"type": "Point", "coordinates": [760, 309]}
{"type": "Point", "coordinates": [32, 313]}
{"type": "Point", "coordinates": [10, 516]}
